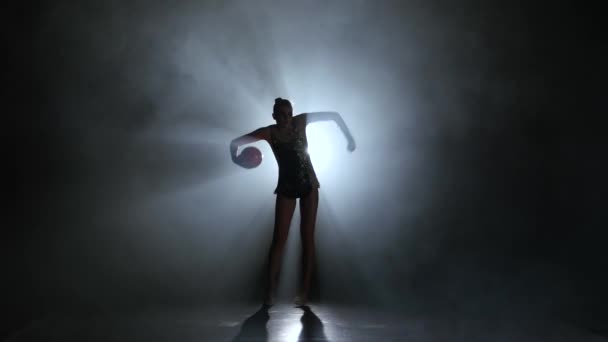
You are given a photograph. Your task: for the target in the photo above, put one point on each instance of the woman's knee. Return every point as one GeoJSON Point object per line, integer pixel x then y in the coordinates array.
{"type": "Point", "coordinates": [279, 240]}
{"type": "Point", "coordinates": [308, 237]}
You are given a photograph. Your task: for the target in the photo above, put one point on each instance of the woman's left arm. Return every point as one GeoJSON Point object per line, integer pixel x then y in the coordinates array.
{"type": "Point", "coordinates": [330, 116]}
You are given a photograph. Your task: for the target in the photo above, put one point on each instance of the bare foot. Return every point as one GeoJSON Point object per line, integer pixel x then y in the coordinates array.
{"type": "Point", "coordinates": [301, 300]}
{"type": "Point", "coordinates": [269, 300]}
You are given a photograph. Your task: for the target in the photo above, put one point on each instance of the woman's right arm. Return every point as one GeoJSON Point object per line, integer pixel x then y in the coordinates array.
{"type": "Point", "coordinates": [262, 133]}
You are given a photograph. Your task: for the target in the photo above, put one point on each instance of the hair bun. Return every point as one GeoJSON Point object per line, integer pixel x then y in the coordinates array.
{"type": "Point", "coordinates": [278, 100]}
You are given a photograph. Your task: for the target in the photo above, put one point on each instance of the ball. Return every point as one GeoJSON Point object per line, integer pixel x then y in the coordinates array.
{"type": "Point", "coordinates": [250, 157]}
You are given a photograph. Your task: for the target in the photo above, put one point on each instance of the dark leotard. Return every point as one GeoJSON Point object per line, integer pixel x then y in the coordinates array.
{"type": "Point", "coordinates": [297, 177]}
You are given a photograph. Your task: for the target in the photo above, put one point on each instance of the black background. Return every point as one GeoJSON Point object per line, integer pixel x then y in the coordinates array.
{"type": "Point", "coordinates": [533, 142]}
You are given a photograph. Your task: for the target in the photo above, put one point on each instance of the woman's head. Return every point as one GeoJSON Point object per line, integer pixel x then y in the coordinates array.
{"type": "Point", "coordinates": [282, 111]}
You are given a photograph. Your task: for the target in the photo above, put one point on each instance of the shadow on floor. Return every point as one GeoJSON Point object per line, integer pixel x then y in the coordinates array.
{"type": "Point", "coordinates": [312, 327]}
{"type": "Point", "coordinates": [254, 327]}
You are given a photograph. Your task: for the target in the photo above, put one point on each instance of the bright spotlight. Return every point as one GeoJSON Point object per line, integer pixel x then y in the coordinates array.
{"type": "Point", "coordinates": [323, 140]}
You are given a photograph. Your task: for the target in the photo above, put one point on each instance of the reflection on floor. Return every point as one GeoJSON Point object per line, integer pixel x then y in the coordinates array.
{"type": "Point", "coordinates": [284, 322]}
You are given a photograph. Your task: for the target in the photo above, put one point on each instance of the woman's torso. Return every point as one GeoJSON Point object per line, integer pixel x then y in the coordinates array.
{"type": "Point", "coordinates": [290, 147]}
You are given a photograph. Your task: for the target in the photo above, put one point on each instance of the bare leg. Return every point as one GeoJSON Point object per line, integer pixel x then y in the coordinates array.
{"type": "Point", "coordinates": [282, 219]}
{"type": "Point", "coordinates": [308, 213]}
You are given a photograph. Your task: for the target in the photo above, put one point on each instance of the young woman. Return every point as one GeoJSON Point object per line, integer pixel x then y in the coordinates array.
{"type": "Point", "coordinates": [297, 179]}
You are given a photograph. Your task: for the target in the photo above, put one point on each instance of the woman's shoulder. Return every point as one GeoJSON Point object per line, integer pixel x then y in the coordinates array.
{"type": "Point", "coordinates": [270, 129]}
{"type": "Point", "coordinates": [300, 119]}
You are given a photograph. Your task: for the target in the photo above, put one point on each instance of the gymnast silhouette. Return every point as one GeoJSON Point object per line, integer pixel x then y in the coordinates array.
{"type": "Point", "coordinates": [297, 179]}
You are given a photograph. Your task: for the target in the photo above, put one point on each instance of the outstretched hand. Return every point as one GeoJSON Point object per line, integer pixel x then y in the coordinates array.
{"type": "Point", "coordinates": [233, 156]}
{"type": "Point", "coordinates": [351, 145]}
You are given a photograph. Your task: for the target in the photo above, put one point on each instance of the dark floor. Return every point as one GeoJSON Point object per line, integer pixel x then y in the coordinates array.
{"type": "Point", "coordinates": [285, 322]}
